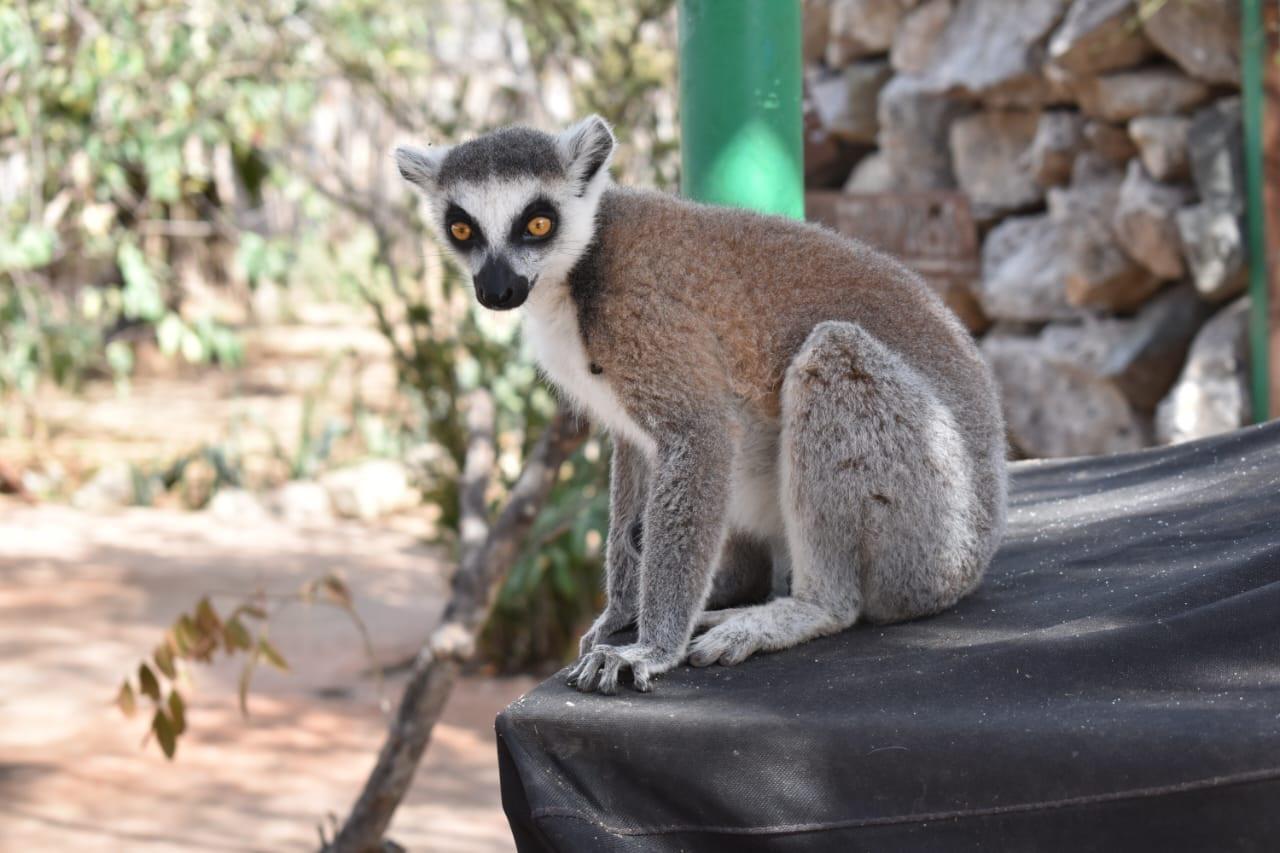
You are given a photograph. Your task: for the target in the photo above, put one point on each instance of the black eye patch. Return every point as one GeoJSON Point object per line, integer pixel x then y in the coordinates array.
{"type": "Point", "coordinates": [455, 215]}
{"type": "Point", "coordinates": [519, 226]}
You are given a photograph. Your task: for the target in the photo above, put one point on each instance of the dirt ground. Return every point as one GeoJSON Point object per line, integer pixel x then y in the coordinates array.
{"type": "Point", "coordinates": [84, 597]}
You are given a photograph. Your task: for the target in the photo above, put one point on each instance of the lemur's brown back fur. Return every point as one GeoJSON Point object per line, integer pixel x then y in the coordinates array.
{"type": "Point", "coordinates": [707, 305]}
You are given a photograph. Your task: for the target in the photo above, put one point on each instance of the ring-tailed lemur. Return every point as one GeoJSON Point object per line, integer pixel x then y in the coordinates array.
{"type": "Point", "coordinates": [765, 382]}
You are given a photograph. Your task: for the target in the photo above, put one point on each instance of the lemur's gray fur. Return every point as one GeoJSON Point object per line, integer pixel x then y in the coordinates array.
{"type": "Point", "coordinates": [777, 395]}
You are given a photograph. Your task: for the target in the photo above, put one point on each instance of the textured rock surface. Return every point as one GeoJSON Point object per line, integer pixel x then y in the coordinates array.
{"type": "Point", "coordinates": [1099, 273]}
{"type": "Point", "coordinates": [846, 101]}
{"type": "Point", "coordinates": [1215, 149]}
{"type": "Point", "coordinates": [827, 158]}
{"type": "Point", "coordinates": [1212, 394]}
{"type": "Point", "coordinates": [914, 123]}
{"type": "Point", "coordinates": [1055, 407]}
{"type": "Point", "coordinates": [991, 156]}
{"type": "Point", "coordinates": [1212, 232]}
{"type": "Point", "coordinates": [1059, 138]}
{"type": "Point", "coordinates": [1024, 271]}
{"type": "Point", "coordinates": [993, 49]}
{"type": "Point", "coordinates": [1162, 145]}
{"type": "Point", "coordinates": [1141, 356]}
{"type": "Point", "coordinates": [1099, 35]}
{"type": "Point", "coordinates": [1123, 95]}
{"type": "Point", "coordinates": [1109, 141]}
{"type": "Point", "coordinates": [1213, 244]}
{"type": "Point", "coordinates": [816, 33]}
{"type": "Point", "coordinates": [917, 37]}
{"type": "Point", "coordinates": [1098, 144]}
{"type": "Point", "coordinates": [1202, 36]}
{"type": "Point", "coordinates": [860, 28]}
{"type": "Point", "coordinates": [1145, 222]}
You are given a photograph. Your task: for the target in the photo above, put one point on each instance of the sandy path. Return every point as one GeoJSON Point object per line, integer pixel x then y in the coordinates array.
{"type": "Point", "coordinates": [83, 597]}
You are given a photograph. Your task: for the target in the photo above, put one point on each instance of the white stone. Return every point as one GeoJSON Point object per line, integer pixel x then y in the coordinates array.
{"type": "Point", "coordinates": [370, 489]}
{"type": "Point", "coordinates": [1212, 394]}
{"type": "Point", "coordinates": [302, 502]}
{"type": "Point", "coordinates": [1162, 145]}
{"type": "Point", "coordinates": [235, 505]}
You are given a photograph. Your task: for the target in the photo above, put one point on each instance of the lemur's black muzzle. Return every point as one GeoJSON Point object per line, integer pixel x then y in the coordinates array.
{"type": "Point", "coordinates": [499, 287]}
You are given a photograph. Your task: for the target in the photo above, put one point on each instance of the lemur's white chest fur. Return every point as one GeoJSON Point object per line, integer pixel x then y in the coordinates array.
{"type": "Point", "coordinates": [552, 331]}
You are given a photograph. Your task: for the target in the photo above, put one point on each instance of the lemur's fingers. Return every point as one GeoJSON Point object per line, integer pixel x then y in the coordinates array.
{"type": "Point", "coordinates": [589, 666]}
{"type": "Point", "coordinates": [600, 670]}
{"type": "Point", "coordinates": [640, 676]}
{"type": "Point", "coordinates": [609, 675]}
{"type": "Point", "coordinates": [728, 643]}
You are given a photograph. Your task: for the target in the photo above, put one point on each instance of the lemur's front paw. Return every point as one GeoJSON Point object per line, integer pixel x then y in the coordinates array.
{"type": "Point", "coordinates": [598, 670]}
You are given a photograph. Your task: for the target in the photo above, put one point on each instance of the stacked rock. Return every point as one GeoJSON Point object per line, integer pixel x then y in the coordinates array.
{"type": "Point", "coordinates": [1099, 144]}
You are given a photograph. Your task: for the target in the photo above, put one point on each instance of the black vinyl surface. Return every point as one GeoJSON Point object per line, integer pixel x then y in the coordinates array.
{"type": "Point", "coordinates": [1113, 685]}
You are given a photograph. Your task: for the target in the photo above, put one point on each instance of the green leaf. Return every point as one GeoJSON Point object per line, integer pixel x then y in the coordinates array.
{"type": "Point", "coordinates": [165, 734]}
{"type": "Point", "coordinates": [236, 636]}
{"type": "Point", "coordinates": [169, 333]}
{"type": "Point", "coordinates": [178, 712]}
{"type": "Point", "coordinates": [272, 655]}
{"type": "Point", "coordinates": [147, 682]}
{"type": "Point", "coordinates": [30, 248]}
{"type": "Point", "coordinates": [141, 293]}
{"type": "Point", "coordinates": [125, 700]}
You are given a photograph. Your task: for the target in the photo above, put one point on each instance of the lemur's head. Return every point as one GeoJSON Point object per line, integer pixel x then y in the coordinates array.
{"type": "Point", "coordinates": [516, 205]}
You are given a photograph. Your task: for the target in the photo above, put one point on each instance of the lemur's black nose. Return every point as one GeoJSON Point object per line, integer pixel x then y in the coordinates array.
{"type": "Point", "coordinates": [499, 287]}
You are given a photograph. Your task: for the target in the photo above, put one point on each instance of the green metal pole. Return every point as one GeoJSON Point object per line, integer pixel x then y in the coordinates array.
{"type": "Point", "coordinates": [741, 126]}
{"type": "Point", "coordinates": [1253, 49]}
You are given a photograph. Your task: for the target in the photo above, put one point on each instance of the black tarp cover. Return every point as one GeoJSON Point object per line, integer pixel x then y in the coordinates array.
{"type": "Point", "coordinates": [1114, 684]}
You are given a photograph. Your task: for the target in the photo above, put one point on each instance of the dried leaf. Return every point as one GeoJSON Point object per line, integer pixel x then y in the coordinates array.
{"type": "Point", "coordinates": [184, 635]}
{"type": "Point", "coordinates": [162, 726]}
{"type": "Point", "coordinates": [178, 712]}
{"type": "Point", "coordinates": [163, 657]}
{"type": "Point", "coordinates": [337, 589]}
{"type": "Point", "coordinates": [272, 655]}
{"type": "Point", "coordinates": [236, 636]}
{"type": "Point", "coordinates": [207, 621]}
{"type": "Point", "coordinates": [125, 700]}
{"type": "Point", "coordinates": [147, 682]}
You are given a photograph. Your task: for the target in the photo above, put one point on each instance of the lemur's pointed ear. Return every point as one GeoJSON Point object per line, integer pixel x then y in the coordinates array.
{"type": "Point", "coordinates": [420, 166]}
{"type": "Point", "coordinates": [586, 149]}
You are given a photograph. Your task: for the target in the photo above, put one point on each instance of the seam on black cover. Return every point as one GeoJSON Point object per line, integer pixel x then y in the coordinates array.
{"type": "Point", "coordinates": [923, 817]}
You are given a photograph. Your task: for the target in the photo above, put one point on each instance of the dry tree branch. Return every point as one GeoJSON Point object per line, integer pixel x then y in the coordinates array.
{"type": "Point", "coordinates": [488, 552]}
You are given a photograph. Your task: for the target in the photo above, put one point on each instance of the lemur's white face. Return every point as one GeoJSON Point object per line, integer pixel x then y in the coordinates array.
{"type": "Point", "coordinates": [516, 206]}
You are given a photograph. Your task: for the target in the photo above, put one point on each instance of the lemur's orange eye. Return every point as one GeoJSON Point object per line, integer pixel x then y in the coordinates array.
{"type": "Point", "coordinates": [539, 226]}
{"type": "Point", "coordinates": [461, 231]}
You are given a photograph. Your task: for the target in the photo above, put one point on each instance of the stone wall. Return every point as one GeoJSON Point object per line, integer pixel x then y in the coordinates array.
{"type": "Point", "coordinates": [1099, 145]}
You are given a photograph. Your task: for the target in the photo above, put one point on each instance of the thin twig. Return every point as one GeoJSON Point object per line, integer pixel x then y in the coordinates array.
{"type": "Point", "coordinates": [475, 586]}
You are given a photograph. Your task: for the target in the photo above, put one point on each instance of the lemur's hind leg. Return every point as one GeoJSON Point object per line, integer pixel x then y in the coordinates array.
{"type": "Point", "coordinates": [876, 496]}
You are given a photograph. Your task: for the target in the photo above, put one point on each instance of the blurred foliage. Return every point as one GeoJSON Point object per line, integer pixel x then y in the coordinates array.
{"type": "Point", "coordinates": [151, 152]}
{"type": "Point", "coordinates": [197, 636]}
